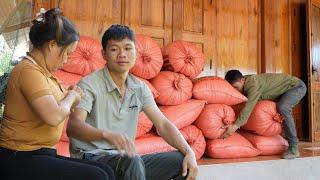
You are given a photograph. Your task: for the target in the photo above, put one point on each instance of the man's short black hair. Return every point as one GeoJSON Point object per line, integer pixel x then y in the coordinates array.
{"type": "Point", "coordinates": [233, 76]}
{"type": "Point", "coordinates": [117, 32]}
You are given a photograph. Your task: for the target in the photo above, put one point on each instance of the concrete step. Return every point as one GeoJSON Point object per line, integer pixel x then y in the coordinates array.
{"type": "Point", "coordinates": [307, 168]}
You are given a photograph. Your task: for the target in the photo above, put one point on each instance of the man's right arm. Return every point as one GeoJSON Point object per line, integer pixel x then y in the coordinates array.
{"type": "Point", "coordinates": [79, 129]}
{"type": "Point", "coordinates": [253, 92]}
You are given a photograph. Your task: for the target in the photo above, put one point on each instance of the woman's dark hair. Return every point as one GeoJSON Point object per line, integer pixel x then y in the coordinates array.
{"type": "Point", "coordinates": [53, 26]}
{"type": "Point", "coordinates": [117, 32]}
{"type": "Point", "coordinates": [233, 76]}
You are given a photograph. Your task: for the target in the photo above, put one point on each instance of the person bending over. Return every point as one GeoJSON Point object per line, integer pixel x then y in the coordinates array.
{"type": "Point", "coordinates": [288, 89]}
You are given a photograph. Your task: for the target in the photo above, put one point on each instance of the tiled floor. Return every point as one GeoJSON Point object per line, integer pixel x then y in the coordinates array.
{"type": "Point", "coordinates": [307, 149]}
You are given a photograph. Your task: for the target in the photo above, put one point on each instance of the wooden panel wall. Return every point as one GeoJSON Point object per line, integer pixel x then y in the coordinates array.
{"type": "Point", "coordinates": [254, 36]}
{"type": "Point", "coordinates": [276, 46]}
{"type": "Point", "coordinates": [93, 17]}
{"type": "Point", "coordinates": [237, 36]}
{"type": "Point", "coordinates": [315, 40]}
{"type": "Point", "coordinates": [250, 35]}
{"type": "Point", "coordinates": [152, 18]}
{"type": "Point", "coordinates": [37, 4]}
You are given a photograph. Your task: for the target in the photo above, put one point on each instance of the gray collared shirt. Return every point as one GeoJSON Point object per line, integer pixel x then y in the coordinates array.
{"type": "Point", "coordinates": [108, 110]}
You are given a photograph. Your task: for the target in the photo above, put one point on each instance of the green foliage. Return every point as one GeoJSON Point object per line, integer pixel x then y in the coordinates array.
{"type": "Point", "coordinates": [1, 114]}
{"type": "Point", "coordinates": [5, 67]}
{"type": "Point", "coordinates": [5, 62]}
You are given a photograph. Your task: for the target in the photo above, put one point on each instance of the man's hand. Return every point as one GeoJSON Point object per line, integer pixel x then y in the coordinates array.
{"type": "Point", "coordinates": [172, 136]}
{"type": "Point", "coordinates": [121, 142]}
{"type": "Point", "coordinates": [190, 166]}
{"type": "Point", "coordinates": [230, 130]}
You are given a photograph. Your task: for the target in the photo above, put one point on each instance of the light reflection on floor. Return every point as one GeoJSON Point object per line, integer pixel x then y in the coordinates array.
{"type": "Point", "coordinates": [307, 149]}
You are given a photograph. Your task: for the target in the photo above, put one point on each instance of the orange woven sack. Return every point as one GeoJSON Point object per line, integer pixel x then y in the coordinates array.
{"type": "Point", "coordinates": [216, 90]}
{"type": "Point", "coordinates": [174, 88]}
{"type": "Point", "coordinates": [213, 119]}
{"type": "Point", "coordinates": [237, 108]}
{"type": "Point", "coordinates": [156, 144]}
{"type": "Point", "coordinates": [63, 145]}
{"type": "Point", "coordinates": [155, 93]}
{"type": "Point", "coordinates": [67, 79]}
{"type": "Point", "coordinates": [151, 133]}
{"type": "Point", "coordinates": [152, 144]}
{"type": "Point", "coordinates": [184, 57]}
{"type": "Point", "coordinates": [195, 139]}
{"type": "Point", "coordinates": [235, 146]}
{"type": "Point", "coordinates": [149, 58]}
{"type": "Point", "coordinates": [184, 114]}
{"type": "Point", "coordinates": [86, 58]}
{"type": "Point", "coordinates": [64, 136]}
{"type": "Point", "coordinates": [264, 119]}
{"type": "Point", "coordinates": [144, 125]}
{"type": "Point", "coordinates": [63, 148]}
{"type": "Point", "coordinates": [272, 145]}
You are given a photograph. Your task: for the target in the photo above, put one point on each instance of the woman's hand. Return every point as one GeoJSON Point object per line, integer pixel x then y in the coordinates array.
{"type": "Point", "coordinates": [77, 92]}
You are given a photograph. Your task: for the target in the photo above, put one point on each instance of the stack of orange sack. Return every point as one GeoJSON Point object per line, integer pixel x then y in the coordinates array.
{"type": "Point", "coordinates": [218, 115]}
{"type": "Point", "coordinates": [174, 93]}
{"type": "Point", "coordinates": [171, 90]}
{"type": "Point", "coordinates": [259, 136]}
{"type": "Point", "coordinates": [200, 108]}
{"type": "Point", "coordinates": [263, 128]}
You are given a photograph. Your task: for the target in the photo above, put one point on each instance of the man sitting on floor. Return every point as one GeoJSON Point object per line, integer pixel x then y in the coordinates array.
{"type": "Point", "coordinates": [290, 90]}
{"type": "Point", "coordinates": [103, 126]}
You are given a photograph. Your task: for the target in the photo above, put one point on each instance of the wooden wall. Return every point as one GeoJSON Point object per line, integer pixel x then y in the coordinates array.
{"type": "Point", "coordinates": [255, 36]}
{"type": "Point", "coordinates": [276, 21]}
{"type": "Point", "coordinates": [237, 41]}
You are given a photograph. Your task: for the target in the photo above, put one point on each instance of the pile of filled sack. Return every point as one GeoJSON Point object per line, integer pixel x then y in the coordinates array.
{"type": "Point", "coordinates": [201, 108]}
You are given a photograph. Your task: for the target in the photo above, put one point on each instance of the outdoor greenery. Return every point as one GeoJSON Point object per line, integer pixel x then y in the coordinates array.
{"type": "Point", "coordinates": [5, 67]}
{"type": "Point", "coordinates": [5, 62]}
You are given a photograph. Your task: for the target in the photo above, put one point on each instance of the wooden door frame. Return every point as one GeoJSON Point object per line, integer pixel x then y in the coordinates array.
{"type": "Point", "coordinates": [313, 135]}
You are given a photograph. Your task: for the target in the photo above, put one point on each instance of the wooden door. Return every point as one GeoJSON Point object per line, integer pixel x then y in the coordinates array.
{"type": "Point", "coordinates": [152, 18]}
{"type": "Point", "coordinates": [276, 39]}
{"type": "Point", "coordinates": [237, 36]}
{"type": "Point", "coordinates": [92, 17]}
{"type": "Point", "coordinates": [313, 31]}
{"type": "Point", "coordinates": [299, 62]}
{"type": "Point", "coordinates": [192, 22]}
